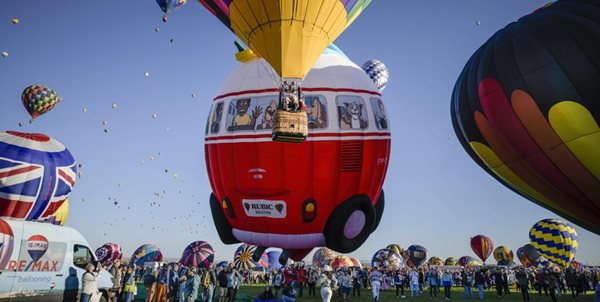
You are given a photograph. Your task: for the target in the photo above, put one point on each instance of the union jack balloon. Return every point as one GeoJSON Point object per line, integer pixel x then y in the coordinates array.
{"type": "Point", "coordinates": [37, 173]}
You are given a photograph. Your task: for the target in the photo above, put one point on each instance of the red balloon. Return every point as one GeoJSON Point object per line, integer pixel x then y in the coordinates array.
{"type": "Point", "coordinates": [482, 246]}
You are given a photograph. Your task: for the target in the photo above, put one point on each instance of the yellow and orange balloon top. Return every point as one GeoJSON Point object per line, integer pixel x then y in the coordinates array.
{"type": "Point", "coordinates": [289, 34]}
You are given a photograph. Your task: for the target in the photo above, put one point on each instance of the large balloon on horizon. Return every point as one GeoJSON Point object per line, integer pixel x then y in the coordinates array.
{"type": "Point", "coordinates": [482, 246]}
{"type": "Point", "coordinates": [279, 195]}
{"type": "Point", "coordinates": [37, 174]}
{"type": "Point", "coordinates": [555, 240]}
{"type": "Point", "coordinates": [525, 108]}
{"type": "Point", "coordinates": [416, 255]}
{"type": "Point", "coordinates": [289, 35]}
{"type": "Point", "coordinates": [39, 99]}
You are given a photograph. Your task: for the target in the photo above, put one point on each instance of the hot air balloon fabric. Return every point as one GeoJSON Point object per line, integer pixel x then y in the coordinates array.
{"type": "Point", "coordinates": [468, 261]}
{"type": "Point", "coordinates": [37, 173]}
{"type": "Point", "coordinates": [39, 99]}
{"type": "Point", "coordinates": [146, 253]}
{"type": "Point", "coordinates": [108, 253]}
{"type": "Point", "coordinates": [242, 259]}
{"type": "Point", "coordinates": [416, 255]}
{"type": "Point", "coordinates": [397, 248]}
{"type": "Point", "coordinates": [168, 6]}
{"type": "Point", "coordinates": [435, 261]}
{"type": "Point", "coordinates": [378, 72]}
{"type": "Point", "coordinates": [59, 217]}
{"type": "Point", "coordinates": [341, 261]}
{"type": "Point", "coordinates": [7, 241]}
{"type": "Point", "coordinates": [290, 35]}
{"type": "Point", "coordinates": [525, 109]}
{"type": "Point", "coordinates": [356, 262]}
{"type": "Point", "coordinates": [528, 255]}
{"type": "Point", "coordinates": [388, 259]}
{"type": "Point", "coordinates": [198, 254]}
{"type": "Point", "coordinates": [555, 240]}
{"type": "Point", "coordinates": [574, 265]}
{"type": "Point", "coordinates": [37, 245]}
{"type": "Point", "coordinates": [222, 264]}
{"type": "Point", "coordinates": [322, 257]}
{"type": "Point", "coordinates": [274, 260]}
{"type": "Point", "coordinates": [450, 261]}
{"type": "Point", "coordinates": [482, 246]}
{"type": "Point", "coordinates": [503, 254]}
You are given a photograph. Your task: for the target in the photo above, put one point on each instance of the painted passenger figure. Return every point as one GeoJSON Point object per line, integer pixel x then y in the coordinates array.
{"type": "Point", "coordinates": [380, 116]}
{"type": "Point", "coordinates": [215, 120]}
{"type": "Point", "coordinates": [267, 120]}
{"type": "Point", "coordinates": [351, 116]}
{"type": "Point", "coordinates": [242, 120]}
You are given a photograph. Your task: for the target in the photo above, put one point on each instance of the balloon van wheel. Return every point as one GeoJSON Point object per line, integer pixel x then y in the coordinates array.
{"type": "Point", "coordinates": [221, 224]}
{"type": "Point", "coordinates": [379, 207]}
{"type": "Point", "coordinates": [350, 224]}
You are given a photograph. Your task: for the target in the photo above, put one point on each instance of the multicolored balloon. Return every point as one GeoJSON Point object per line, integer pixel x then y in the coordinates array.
{"type": "Point", "coordinates": [574, 265]}
{"type": "Point", "coordinates": [7, 241]}
{"type": "Point", "coordinates": [555, 240]}
{"type": "Point", "coordinates": [146, 253]}
{"type": "Point", "coordinates": [450, 261]}
{"type": "Point", "coordinates": [108, 253]}
{"type": "Point", "coordinates": [307, 27]}
{"type": "Point", "coordinates": [38, 173]}
{"type": "Point", "coordinates": [482, 246]}
{"type": "Point", "coordinates": [378, 72]}
{"type": "Point", "coordinates": [322, 257]}
{"type": "Point", "coordinates": [59, 217]}
{"type": "Point", "coordinates": [468, 261]}
{"type": "Point", "coordinates": [356, 262]}
{"type": "Point", "coordinates": [39, 99]}
{"type": "Point", "coordinates": [528, 255]}
{"type": "Point", "coordinates": [387, 259]}
{"type": "Point", "coordinates": [37, 245]}
{"type": "Point", "coordinates": [222, 264]}
{"type": "Point", "coordinates": [526, 112]}
{"type": "Point", "coordinates": [416, 255]}
{"type": "Point", "coordinates": [198, 254]}
{"type": "Point", "coordinates": [546, 264]}
{"type": "Point", "coordinates": [397, 248]}
{"type": "Point", "coordinates": [341, 261]}
{"type": "Point", "coordinates": [435, 261]}
{"type": "Point", "coordinates": [503, 254]}
{"type": "Point", "coordinates": [274, 260]}
{"type": "Point", "coordinates": [168, 6]}
{"type": "Point", "coordinates": [242, 259]}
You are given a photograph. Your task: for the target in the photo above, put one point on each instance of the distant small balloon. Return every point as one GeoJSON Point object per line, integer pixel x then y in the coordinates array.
{"type": "Point", "coordinates": [165, 18]}
{"type": "Point", "coordinates": [477, 23]}
{"type": "Point", "coordinates": [166, 171]}
{"type": "Point", "coordinates": [146, 74]}
{"type": "Point", "coordinates": [151, 157]}
{"type": "Point", "coordinates": [84, 109]}
{"type": "Point", "coordinates": [15, 20]}
{"type": "Point", "coordinates": [172, 41]}
{"type": "Point", "coordinates": [193, 95]}
{"type": "Point", "coordinates": [105, 130]}
{"type": "Point", "coordinates": [156, 29]}
{"type": "Point", "coordinates": [116, 202]}
{"type": "Point", "coordinates": [154, 115]}
{"type": "Point", "coordinates": [20, 124]}
{"type": "Point", "coordinates": [175, 175]}
{"type": "Point", "coordinates": [4, 54]}
{"type": "Point", "coordinates": [104, 123]}
{"type": "Point", "coordinates": [114, 105]}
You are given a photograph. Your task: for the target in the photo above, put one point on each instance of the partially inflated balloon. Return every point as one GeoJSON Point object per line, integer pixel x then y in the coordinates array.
{"type": "Point", "coordinates": [555, 240]}
{"type": "Point", "coordinates": [108, 253]}
{"type": "Point", "coordinates": [146, 253]}
{"type": "Point", "coordinates": [290, 35]}
{"type": "Point", "coordinates": [417, 255]}
{"type": "Point", "coordinates": [341, 261]}
{"type": "Point", "coordinates": [450, 261]}
{"type": "Point", "coordinates": [482, 246]}
{"type": "Point", "coordinates": [356, 262]}
{"type": "Point", "coordinates": [468, 261]}
{"type": "Point", "coordinates": [528, 255]}
{"type": "Point", "coordinates": [198, 254]}
{"type": "Point", "coordinates": [274, 260]}
{"type": "Point", "coordinates": [37, 173]}
{"type": "Point", "coordinates": [387, 259]}
{"type": "Point", "coordinates": [322, 257]}
{"type": "Point", "coordinates": [242, 259]}
{"type": "Point", "coordinates": [7, 241]}
{"type": "Point", "coordinates": [503, 254]}
{"type": "Point", "coordinates": [435, 261]}
{"type": "Point", "coordinates": [39, 99]}
{"type": "Point", "coordinates": [377, 71]}
{"type": "Point", "coordinates": [526, 110]}
{"type": "Point", "coordinates": [397, 248]}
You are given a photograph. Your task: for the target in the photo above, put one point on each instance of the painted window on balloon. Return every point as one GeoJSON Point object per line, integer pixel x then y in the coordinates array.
{"type": "Point", "coordinates": [268, 107]}
{"type": "Point", "coordinates": [381, 119]}
{"type": "Point", "coordinates": [82, 256]}
{"type": "Point", "coordinates": [316, 110]}
{"type": "Point", "coordinates": [352, 113]}
{"type": "Point", "coordinates": [215, 118]}
{"type": "Point", "coordinates": [208, 119]}
{"type": "Point", "coordinates": [242, 114]}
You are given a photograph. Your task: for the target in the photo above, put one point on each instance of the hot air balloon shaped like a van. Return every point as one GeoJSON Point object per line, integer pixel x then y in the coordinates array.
{"type": "Point", "coordinates": [326, 191]}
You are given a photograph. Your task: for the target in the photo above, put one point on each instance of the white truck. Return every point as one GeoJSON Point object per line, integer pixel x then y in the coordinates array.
{"type": "Point", "coordinates": [44, 262]}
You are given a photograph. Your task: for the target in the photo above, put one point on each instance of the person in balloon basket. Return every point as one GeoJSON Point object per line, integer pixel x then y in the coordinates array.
{"type": "Point", "coordinates": [413, 276]}
{"type": "Point", "coordinates": [467, 279]}
{"type": "Point", "coordinates": [209, 281]}
{"type": "Point", "coordinates": [523, 282]}
{"type": "Point", "coordinates": [480, 282]}
{"type": "Point", "coordinates": [89, 282]}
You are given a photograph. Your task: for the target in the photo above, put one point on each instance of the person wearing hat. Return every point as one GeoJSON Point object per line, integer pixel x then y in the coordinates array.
{"type": "Point", "coordinates": [327, 283]}
{"type": "Point", "coordinates": [376, 278]}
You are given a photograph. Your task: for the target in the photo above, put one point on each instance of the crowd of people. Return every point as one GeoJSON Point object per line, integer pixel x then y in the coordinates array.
{"type": "Point", "coordinates": [175, 283]}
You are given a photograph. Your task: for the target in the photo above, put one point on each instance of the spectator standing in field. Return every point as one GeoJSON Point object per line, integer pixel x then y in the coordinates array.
{"type": "Point", "coordinates": [89, 283]}
{"type": "Point", "coordinates": [523, 282]}
{"type": "Point", "coordinates": [480, 282]}
{"type": "Point", "coordinates": [278, 281]}
{"type": "Point", "coordinates": [209, 282]}
{"type": "Point", "coordinates": [289, 293]}
{"type": "Point", "coordinates": [300, 279]}
{"type": "Point", "coordinates": [505, 281]}
{"type": "Point", "coordinates": [498, 281]}
{"type": "Point", "coordinates": [327, 283]}
{"type": "Point", "coordinates": [129, 286]}
{"type": "Point", "coordinates": [432, 282]}
{"type": "Point", "coordinates": [313, 277]}
{"type": "Point", "coordinates": [192, 285]}
{"type": "Point", "coordinates": [399, 283]}
{"type": "Point", "coordinates": [150, 282]}
{"type": "Point", "coordinates": [447, 283]}
{"type": "Point", "coordinates": [552, 280]}
{"type": "Point", "coordinates": [376, 279]}
{"type": "Point", "coordinates": [414, 283]}
{"type": "Point", "coordinates": [467, 280]}
{"type": "Point", "coordinates": [222, 282]}
{"type": "Point", "coordinates": [116, 276]}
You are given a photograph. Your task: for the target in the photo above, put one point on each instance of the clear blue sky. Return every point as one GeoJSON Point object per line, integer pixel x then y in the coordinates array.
{"type": "Point", "coordinates": [95, 53]}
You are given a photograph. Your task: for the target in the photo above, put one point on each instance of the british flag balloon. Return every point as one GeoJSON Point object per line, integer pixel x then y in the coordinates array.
{"type": "Point", "coordinates": [37, 173]}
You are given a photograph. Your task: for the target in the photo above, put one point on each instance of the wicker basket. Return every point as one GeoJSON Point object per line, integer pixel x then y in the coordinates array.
{"type": "Point", "coordinates": [290, 126]}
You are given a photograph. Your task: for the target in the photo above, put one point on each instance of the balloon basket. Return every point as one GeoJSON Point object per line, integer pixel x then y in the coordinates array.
{"type": "Point", "coordinates": [290, 127]}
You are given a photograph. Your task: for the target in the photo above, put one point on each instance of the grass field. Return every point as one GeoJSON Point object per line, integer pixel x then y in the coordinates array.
{"type": "Point", "coordinates": [248, 292]}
